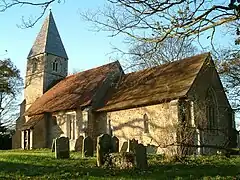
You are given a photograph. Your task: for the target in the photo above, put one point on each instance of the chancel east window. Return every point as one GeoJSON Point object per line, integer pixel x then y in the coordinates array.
{"type": "Point", "coordinates": [71, 119]}
{"type": "Point", "coordinates": [146, 123]}
{"type": "Point", "coordinates": [211, 109]}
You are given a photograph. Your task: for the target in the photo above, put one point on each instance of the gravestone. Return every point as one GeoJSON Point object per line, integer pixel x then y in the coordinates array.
{"type": "Point", "coordinates": [104, 148]}
{"type": "Point", "coordinates": [87, 150]}
{"type": "Point", "coordinates": [141, 156]}
{"type": "Point", "coordinates": [115, 144]}
{"type": "Point", "coordinates": [151, 149]}
{"type": "Point", "coordinates": [53, 145]}
{"type": "Point", "coordinates": [62, 148]}
{"type": "Point", "coordinates": [131, 145]}
{"type": "Point", "coordinates": [79, 143]}
{"type": "Point", "coordinates": [124, 147]}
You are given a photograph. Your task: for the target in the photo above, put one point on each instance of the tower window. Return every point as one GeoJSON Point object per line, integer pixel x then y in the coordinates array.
{"type": "Point", "coordinates": [55, 66]}
{"type": "Point", "coordinates": [34, 65]}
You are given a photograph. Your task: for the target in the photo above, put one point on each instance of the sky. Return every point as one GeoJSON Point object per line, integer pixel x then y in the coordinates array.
{"type": "Point", "coordinates": [85, 48]}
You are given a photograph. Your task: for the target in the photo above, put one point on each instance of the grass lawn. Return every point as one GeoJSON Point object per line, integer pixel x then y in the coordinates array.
{"type": "Point", "coordinates": [41, 164]}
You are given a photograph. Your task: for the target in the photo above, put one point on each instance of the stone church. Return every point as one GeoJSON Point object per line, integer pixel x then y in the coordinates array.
{"type": "Point", "coordinates": [147, 105]}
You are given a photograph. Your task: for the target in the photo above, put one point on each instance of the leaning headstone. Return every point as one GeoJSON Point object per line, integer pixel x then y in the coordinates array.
{"type": "Point", "coordinates": [115, 144]}
{"type": "Point", "coordinates": [62, 148]}
{"type": "Point", "coordinates": [79, 143]}
{"type": "Point", "coordinates": [87, 150]}
{"type": "Point", "coordinates": [53, 145]}
{"type": "Point", "coordinates": [104, 148]}
{"type": "Point", "coordinates": [141, 156]}
{"type": "Point", "coordinates": [124, 147]}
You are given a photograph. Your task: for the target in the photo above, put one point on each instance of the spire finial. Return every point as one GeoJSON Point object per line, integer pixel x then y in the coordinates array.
{"type": "Point", "coordinates": [50, 9]}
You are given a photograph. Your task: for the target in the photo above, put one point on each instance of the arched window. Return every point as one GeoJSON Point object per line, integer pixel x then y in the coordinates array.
{"type": "Point", "coordinates": [145, 123]}
{"type": "Point", "coordinates": [55, 66]}
{"type": "Point", "coordinates": [211, 109]}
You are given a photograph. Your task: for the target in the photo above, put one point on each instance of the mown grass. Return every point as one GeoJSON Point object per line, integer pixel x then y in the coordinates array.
{"type": "Point", "coordinates": [41, 164]}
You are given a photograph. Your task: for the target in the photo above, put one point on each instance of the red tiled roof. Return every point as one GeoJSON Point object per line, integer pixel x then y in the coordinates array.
{"type": "Point", "coordinates": [72, 92]}
{"type": "Point", "coordinates": [155, 85]}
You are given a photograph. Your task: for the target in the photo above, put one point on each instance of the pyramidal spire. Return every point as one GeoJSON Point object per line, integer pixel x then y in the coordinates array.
{"type": "Point", "coordinates": [48, 40]}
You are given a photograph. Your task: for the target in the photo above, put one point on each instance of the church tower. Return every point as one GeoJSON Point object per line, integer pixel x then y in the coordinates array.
{"type": "Point", "coordinates": [47, 62]}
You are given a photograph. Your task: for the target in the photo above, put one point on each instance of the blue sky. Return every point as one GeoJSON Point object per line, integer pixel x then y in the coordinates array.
{"type": "Point", "coordinates": [85, 48]}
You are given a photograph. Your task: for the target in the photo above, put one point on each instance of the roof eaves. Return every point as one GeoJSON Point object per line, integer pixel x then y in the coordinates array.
{"type": "Point", "coordinates": [109, 109]}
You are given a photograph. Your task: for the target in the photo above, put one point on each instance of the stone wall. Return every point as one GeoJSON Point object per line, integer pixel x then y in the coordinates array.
{"type": "Point", "coordinates": [162, 119]}
{"type": "Point", "coordinates": [39, 135]}
{"type": "Point", "coordinates": [34, 79]}
{"type": "Point", "coordinates": [208, 78]}
{"type": "Point", "coordinates": [16, 139]}
{"type": "Point", "coordinates": [63, 126]}
{"type": "Point", "coordinates": [43, 77]}
{"type": "Point", "coordinates": [51, 77]}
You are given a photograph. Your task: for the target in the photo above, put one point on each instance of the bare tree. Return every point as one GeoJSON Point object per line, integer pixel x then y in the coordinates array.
{"type": "Point", "coordinates": [143, 55]}
{"type": "Point", "coordinates": [42, 5]}
{"type": "Point", "coordinates": [228, 64]}
{"type": "Point", "coordinates": [151, 21]}
{"type": "Point", "coordinates": [154, 21]}
{"type": "Point", "coordinates": [10, 89]}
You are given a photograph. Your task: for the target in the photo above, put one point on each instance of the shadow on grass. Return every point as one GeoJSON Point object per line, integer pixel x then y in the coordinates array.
{"type": "Point", "coordinates": [184, 171]}
{"type": "Point", "coordinates": [49, 167]}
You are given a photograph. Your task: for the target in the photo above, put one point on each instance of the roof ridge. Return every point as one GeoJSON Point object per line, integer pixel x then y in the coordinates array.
{"type": "Point", "coordinates": [114, 62]}
{"type": "Point", "coordinates": [47, 31]}
{"type": "Point", "coordinates": [199, 70]}
{"type": "Point", "coordinates": [169, 63]}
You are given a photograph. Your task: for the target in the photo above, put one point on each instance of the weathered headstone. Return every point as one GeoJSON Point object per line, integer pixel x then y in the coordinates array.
{"type": "Point", "coordinates": [115, 144]}
{"type": "Point", "coordinates": [141, 156]}
{"type": "Point", "coordinates": [151, 149]}
{"type": "Point", "coordinates": [53, 145]}
{"type": "Point", "coordinates": [104, 147]}
{"type": "Point", "coordinates": [62, 148]}
{"type": "Point", "coordinates": [79, 143]}
{"type": "Point", "coordinates": [87, 150]}
{"type": "Point", "coordinates": [131, 145]}
{"type": "Point", "coordinates": [124, 147]}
